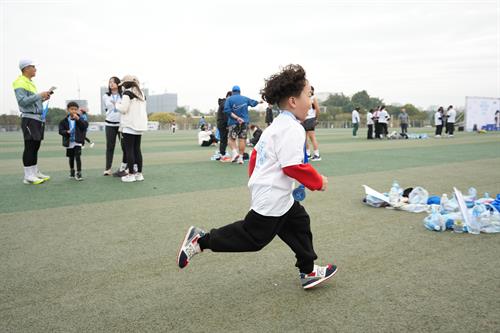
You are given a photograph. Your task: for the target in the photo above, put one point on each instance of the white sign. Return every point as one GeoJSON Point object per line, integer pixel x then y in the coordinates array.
{"type": "Point", "coordinates": [480, 111]}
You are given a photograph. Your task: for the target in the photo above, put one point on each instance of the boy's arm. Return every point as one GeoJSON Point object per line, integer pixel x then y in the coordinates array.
{"type": "Point", "coordinates": [62, 130]}
{"type": "Point", "coordinates": [251, 163]}
{"type": "Point", "coordinates": [306, 175]}
{"type": "Point", "coordinates": [82, 124]}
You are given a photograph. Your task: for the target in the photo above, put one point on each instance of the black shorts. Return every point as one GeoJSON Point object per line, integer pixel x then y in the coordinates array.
{"type": "Point", "coordinates": [309, 124]}
{"type": "Point", "coordinates": [238, 131]}
{"type": "Point", "coordinates": [73, 152]}
{"type": "Point", "coordinates": [32, 129]}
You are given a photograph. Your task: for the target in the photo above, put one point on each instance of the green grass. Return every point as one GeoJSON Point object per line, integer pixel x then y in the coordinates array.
{"type": "Point", "coordinates": [99, 255]}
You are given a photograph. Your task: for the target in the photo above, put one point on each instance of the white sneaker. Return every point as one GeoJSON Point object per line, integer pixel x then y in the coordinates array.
{"type": "Point", "coordinates": [139, 177]}
{"type": "Point", "coordinates": [235, 158]}
{"type": "Point", "coordinates": [108, 172]}
{"type": "Point", "coordinates": [42, 176]}
{"type": "Point", "coordinates": [240, 160]}
{"type": "Point", "coordinates": [438, 136]}
{"type": "Point", "coordinates": [92, 145]}
{"type": "Point", "coordinates": [130, 178]}
{"type": "Point", "coordinates": [33, 180]}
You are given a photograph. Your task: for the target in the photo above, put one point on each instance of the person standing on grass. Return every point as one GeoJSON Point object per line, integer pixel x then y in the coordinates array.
{"type": "Point", "coordinates": [403, 121]}
{"type": "Point", "coordinates": [222, 126]}
{"type": "Point", "coordinates": [310, 127]}
{"type": "Point", "coordinates": [32, 122]}
{"type": "Point", "coordinates": [73, 130]}
{"type": "Point", "coordinates": [355, 121]}
{"type": "Point", "coordinates": [451, 116]}
{"type": "Point", "coordinates": [438, 121]}
{"type": "Point", "coordinates": [110, 99]}
{"type": "Point", "coordinates": [276, 162]}
{"type": "Point", "coordinates": [269, 114]}
{"type": "Point", "coordinates": [383, 119]}
{"type": "Point", "coordinates": [236, 109]}
{"type": "Point", "coordinates": [369, 124]}
{"type": "Point", "coordinates": [133, 122]}
{"type": "Point", "coordinates": [376, 116]}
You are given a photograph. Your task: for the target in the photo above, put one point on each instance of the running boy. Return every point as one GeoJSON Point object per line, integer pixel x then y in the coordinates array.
{"type": "Point", "coordinates": [275, 162]}
{"type": "Point", "coordinates": [73, 129]}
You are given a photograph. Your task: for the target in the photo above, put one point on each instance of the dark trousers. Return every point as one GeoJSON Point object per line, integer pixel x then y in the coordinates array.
{"type": "Point", "coordinates": [404, 128]}
{"type": "Point", "coordinates": [111, 134]}
{"type": "Point", "coordinates": [377, 130]}
{"type": "Point", "coordinates": [223, 138]}
{"type": "Point", "coordinates": [439, 129]}
{"type": "Point", "coordinates": [74, 155]}
{"type": "Point", "coordinates": [209, 142]}
{"type": "Point", "coordinates": [450, 128]}
{"type": "Point", "coordinates": [30, 153]}
{"type": "Point", "coordinates": [133, 153]}
{"type": "Point", "coordinates": [256, 231]}
{"type": "Point", "coordinates": [383, 129]}
{"type": "Point", "coordinates": [369, 136]}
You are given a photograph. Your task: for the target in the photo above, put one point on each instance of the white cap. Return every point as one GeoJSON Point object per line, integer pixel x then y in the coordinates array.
{"type": "Point", "coordinates": [25, 63]}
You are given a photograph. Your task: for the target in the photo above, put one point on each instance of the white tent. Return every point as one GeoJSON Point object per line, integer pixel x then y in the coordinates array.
{"type": "Point", "coordinates": [480, 111]}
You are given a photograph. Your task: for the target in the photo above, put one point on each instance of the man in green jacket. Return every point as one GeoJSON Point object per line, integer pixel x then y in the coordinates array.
{"type": "Point", "coordinates": [32, 122]}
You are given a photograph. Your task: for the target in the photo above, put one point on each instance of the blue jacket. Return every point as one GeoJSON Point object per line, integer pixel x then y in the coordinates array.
{"type": "Point", "coordinates": [238, 105]}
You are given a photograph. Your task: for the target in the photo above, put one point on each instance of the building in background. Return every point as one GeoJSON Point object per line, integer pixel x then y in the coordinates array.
{"type": "Point", "coordinates": [166, 102]}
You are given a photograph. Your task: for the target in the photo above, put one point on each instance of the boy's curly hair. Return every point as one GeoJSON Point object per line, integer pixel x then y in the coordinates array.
{"type": "Point", "coordinates": [289, 82]}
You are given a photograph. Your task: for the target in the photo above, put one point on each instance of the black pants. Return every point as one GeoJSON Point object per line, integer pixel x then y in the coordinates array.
{"type": "Point", "coordinates": [30, 153]}
{"type": "Point", "coordinates": [439, 129]}
{"type": "Point", "coordinates": [450, 128]}
{"type": "Point", "coordinates": [369, 136]}
{"type": "Point", "coordinates": [223, 133]}
{"type": "Point", "coordinates": [133, 153]}
{"type": "Point", "coordinates": [74, 155]}
{"type": "Point", "coordinates": [256, 231]}
{"type": "Point", "coordinates": [209, 142]}
{"type": "Point", "coordinates": [377, 130]}
{"type": "Point", "coordinates": [111, 135]}
{"type": "Point", "coordinates": [404, 128]}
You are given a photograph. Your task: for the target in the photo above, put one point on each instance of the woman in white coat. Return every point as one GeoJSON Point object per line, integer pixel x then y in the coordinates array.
{"type": "Point", "coordinates": [133, 122]}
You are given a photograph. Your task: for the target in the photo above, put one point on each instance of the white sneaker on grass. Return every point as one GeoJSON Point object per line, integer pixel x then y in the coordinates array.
{"type": "Point", "coordinates": [32, 180]}
{"type": "Point", "coordinates": [130, 178]}
{"type": "Point", "coordinates": [139, 177]}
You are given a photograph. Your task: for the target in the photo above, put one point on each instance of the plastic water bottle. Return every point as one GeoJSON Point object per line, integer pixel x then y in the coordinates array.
{"type": "Point", "coordinates": [394, 193]}
{"type": "Point", "coordinates": [458, 226]}
{"type": "Point", "coordinates": [474, 226]}
{"type": "Point", "coordinates": [444, 203]}
{"type": "Point", "coordinates": [434, 221]}
{"type": "Point", "coordinates": [485, 200]}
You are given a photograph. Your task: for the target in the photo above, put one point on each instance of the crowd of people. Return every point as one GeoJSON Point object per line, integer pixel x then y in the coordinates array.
{"type": "Point", "coordinates": [377, 121]}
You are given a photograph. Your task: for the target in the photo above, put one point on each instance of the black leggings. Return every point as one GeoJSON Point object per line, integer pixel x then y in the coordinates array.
{"type": "Point", "coordinates": [30, 153]}
{"type": "Point", "coordinates": [223, 138]}
{"type": "Point", "coordinates": [111, 134]}
{"type": "Point", "coordinates": [256, 231]}
{"type": "Point", "coordinates": [74, 155]}
{"type": "Point", "coordinates": [133, 153]}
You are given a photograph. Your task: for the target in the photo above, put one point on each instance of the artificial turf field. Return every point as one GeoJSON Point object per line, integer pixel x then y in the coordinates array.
{"type": "Point", "coordinates": [99, 255]}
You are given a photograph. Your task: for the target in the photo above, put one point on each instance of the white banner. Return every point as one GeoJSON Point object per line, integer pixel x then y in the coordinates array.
{"type": "Point", "coordinates": [480, 111]}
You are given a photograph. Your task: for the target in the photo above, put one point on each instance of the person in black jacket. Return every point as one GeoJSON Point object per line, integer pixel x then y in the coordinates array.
{"type": "Point", "coordinates": [222, 127]}
{"type": "Point", "coordinates": [269, 114]}
{"type": "Point", "coordinates": [257, 132]}
{"type": "Point", "coordinates": [73, 130]}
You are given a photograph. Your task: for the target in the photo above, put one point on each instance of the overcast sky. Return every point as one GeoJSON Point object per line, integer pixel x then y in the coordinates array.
{"type": "Point", "coordinates": [422, 52]}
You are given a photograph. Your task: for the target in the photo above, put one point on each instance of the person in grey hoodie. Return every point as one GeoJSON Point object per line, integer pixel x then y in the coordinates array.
{"type": "Point", "coordinates": [32, 120]}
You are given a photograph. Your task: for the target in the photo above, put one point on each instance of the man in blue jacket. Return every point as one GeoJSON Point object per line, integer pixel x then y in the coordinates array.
{"type": "Point", "coordinates": [236, 108]}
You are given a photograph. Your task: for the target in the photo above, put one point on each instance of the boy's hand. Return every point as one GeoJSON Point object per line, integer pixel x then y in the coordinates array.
{"type": "Point", "coordinates": [325, 183]}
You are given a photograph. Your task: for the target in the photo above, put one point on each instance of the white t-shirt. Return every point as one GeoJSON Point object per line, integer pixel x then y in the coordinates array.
{"type": "Point", "coordinates": [438, 119]}
{"type": "Point", "coordinates": [203, 136]}
{"type": "Point", "coordinates": [452, 115]}
{"type": "Point", "coordinates": [355, 116]}
{"type": "Point", "coordinates": [383, 117]}
{"type": "Point", "coordinates": [281, 145]}
{"type": "Point", "coordinates": [369, 118]}
{"type": "Point", "coordinates": [311, 113]}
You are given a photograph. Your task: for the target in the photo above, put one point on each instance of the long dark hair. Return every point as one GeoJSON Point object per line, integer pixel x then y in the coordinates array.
{"type": "Point", "coordinates": [117, 81]}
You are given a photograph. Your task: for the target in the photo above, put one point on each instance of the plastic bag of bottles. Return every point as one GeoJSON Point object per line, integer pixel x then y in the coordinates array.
{"type": "Point", "coordinates": [435, 221]}
{"type": "Point", "coordinates": [419, 195]}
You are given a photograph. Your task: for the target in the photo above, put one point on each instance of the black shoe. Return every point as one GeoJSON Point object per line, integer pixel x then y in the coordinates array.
{"type": "Point", "coordinates": [119, 173]}
{"type": "Point", "coordinates": [78, 175]}
{"type": "Point", "coordinates": [72, 173]}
